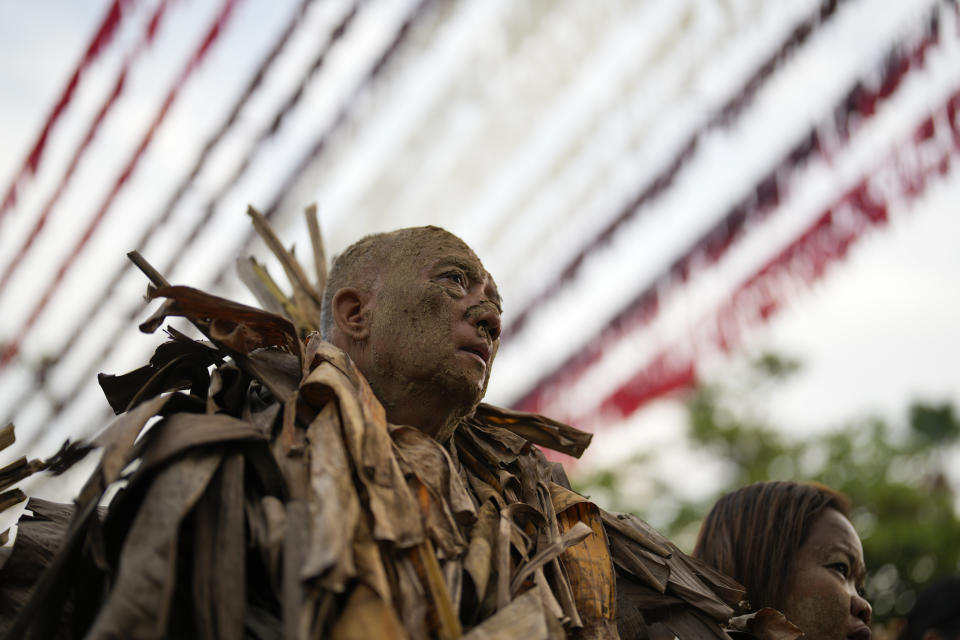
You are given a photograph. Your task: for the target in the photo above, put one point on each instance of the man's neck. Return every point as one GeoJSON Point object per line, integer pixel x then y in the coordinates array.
{"type": "Point", "coordinates": [439, 422]}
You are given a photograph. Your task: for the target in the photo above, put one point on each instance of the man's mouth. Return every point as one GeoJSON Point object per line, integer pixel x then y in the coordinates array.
{"type": "Point", "coordinates": [480, 350]}
{"type": "Point", "coordinates": [862, 633]}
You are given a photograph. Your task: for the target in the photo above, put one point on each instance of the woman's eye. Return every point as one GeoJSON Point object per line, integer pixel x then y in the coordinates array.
{"type": "Point", "coordinates": [840, 567]}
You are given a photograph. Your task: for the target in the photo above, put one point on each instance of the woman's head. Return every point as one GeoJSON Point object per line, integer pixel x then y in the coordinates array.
{"type": "Point", "coordinates": [793, 548]}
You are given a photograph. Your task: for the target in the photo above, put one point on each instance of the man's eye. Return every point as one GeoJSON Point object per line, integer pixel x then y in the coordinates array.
{"type": "Point", "coordinates": [456, 277]}
{"type": "Point", "coordinates": [840, 567]}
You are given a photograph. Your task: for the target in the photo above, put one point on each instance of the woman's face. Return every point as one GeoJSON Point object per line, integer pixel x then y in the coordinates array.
{"type": "Point", "coordinates": [824, 598]}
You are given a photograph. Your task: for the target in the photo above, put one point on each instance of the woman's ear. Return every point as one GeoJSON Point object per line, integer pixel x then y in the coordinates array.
{"type": "Point", "coordinates": [351, 312]}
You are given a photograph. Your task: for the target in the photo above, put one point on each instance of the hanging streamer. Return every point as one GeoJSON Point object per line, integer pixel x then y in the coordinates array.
{"type": "Point", "coordinates": [101, 40]}
{"type": "Point", "coordinates": [375, 69]}
{"type": "Point", "coordinates": [900, 180]}
{"type": "Point", "coordinates": [108, 103]}
{"type": "Point", "coordinates": [833, 133]}
{"type": "Point", "coordinates": [11, 349]}
{"type": "Point", "coordinates": [83, 325]}
{"type": "Point", "coordinates": [659, 184]}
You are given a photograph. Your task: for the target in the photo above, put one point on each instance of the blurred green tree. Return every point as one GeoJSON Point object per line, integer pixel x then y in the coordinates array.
{"type": "Point", "coordinates": [904, 506]}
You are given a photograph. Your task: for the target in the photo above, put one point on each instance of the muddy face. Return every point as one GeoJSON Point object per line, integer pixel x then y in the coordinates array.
{"type": "Point", "coordinates": [828, 573]}
{"type": "Point", "coordinates": [434, 327]}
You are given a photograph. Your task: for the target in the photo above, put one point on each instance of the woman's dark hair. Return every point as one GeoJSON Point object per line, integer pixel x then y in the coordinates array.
{"type": "Point", "coordinates": [753, 534]}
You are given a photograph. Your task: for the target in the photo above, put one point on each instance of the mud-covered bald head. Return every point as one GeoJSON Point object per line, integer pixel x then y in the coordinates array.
{"type": "Point", "coordinates": [420, 316]}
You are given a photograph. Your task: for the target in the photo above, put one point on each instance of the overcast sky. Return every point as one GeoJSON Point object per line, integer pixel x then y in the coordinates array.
{"type": "Point", "coordinates": [877, 333]}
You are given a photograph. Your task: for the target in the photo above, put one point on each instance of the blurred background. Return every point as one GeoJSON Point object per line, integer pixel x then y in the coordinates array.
{"type": "Point", "coordinates": [725, 231]}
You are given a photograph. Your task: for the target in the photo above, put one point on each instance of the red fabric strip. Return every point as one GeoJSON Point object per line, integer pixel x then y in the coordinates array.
{"type": "Point", "coordinates": [859, 104]}
{"type": "Point", "coordinates": [91, 133]}
{"type": "Point", "coordinates": [12, 348]}
{"type": "Point", "coordinates": [101, 39]}
{"type": "Point", "coordinates": [901, 178]}
{"type": "Point", "coordinates": [652, 190]}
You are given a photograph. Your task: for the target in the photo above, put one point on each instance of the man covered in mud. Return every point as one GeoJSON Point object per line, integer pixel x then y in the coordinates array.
{"type": "Point", "coordinates": [420, 316]}
{"type": "Point", "coordinates": [349, 486]}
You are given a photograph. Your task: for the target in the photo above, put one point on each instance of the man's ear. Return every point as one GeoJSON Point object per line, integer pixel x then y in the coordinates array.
{"type": "Point", "coordinates": [351, 309]}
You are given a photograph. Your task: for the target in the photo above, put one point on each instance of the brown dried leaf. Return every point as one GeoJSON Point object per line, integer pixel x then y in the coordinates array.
{"type": "Point", "coordinates": [307, 298]}
{"type": "Point", "coordinates": [238, 327]}
{"type": "Point", "coordinates": [637, 530]}
{"type": "Point", "coordinates": [39, 536]}
{"type": "Point", "coordinates": [396, 516]}
{"type": "Point", "coordinates": [289, 448]}
{"type": "Point", "coordinates": [275, 523]}
{"type": "Point", "coordinates": [483, 539]}
{"type": "Point", "coordinates": [563, 498]}
{"type": "Point", "coordinates": [431, 462]}
{"type": "Point", "coordinates": [10, 498]}
{"type": "Point", "coordinates": [333, 504]}
{"type": "Point", "coordinates": [138, 605]}
{"type": "Point", "coordinates": [18, 470]}
{"type": "Point", "coordinates": [185, 431]}
{"type": "Point", "coordinates": [229, 562]}
{"type": "Point", "coordinates": [577, 533]}
{"type": "Point", "coordinates": [525, 617]}
{"type": "Point", "coordinates": [766, 624]}
{"type": "Point", "coordinates": [503, 562]}
{"type": "Point", "coordinates": [203, 528]}
{"type": "Point", "coordinates": [731, 591]}
{"type": "Point", "coordinates": [686, 623]}
{"type": "Point", "coordinates": [279, 372]}
{"type": "Point", "coordinates": [176, 364]}
{"type": "Point", "coordinates": [367, 616]}
{"type": "Point", "coordinates": [265, 289]}
{"type": "Point", "coordinates": [496, 444]}
{"type": "Point", "coordinates": [425, 555]}
{"type": "Point", "coordinates": [444, 501]}
{"type": "Point", "coordinates": [295, 544]}
{"type": "Point", "coordinates": [316, 241]}
{"type": "Point", "coordinates": [118, 441]}
{"type": "Point", "coordinates": [370, 562]}
{"type": "Point", "coordinates": [7, 436]}
{"type": "Point", "coordinates": [49, 593]}
{"type": "Point", "coordinates": [66, 456]}
{"type": "Point", "coordinates": [411, 596]}
{"type": "Point", "coordinates": [684, 582]}
{"type": "Point", "coordinates": [538, 429]}
{"type": "Point", "coordinates": [640, 563]}
{"type": "Point", "coordinates": [589, 568]}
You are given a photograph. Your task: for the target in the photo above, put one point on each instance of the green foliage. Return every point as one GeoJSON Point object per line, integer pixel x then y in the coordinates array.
{"type": "Point", "coordinates": [904, 506]}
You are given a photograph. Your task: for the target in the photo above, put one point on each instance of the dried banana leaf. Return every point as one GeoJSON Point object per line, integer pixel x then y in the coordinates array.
{"type": "Point", "coordinates": [525, 618]}
{"type": "Point", "coordinates": [265, 289]}
{"type": "Point", "coordinates": [590, 570]}
{"type": "Point", "coordinates": [307, 299]}
{"type": "Point", "coordinates": [236, 326]}
{"type": "Point", "coordinates": [333, 503]}
{"type": "Point", "coordinates": [537, 429]}
{"type": "Point", "coordinates": [273, 500]}
{"type": "Point", "coordinates": [39, 536]}
{"type": "Point", "coordinates": [7, 436]}
{"type": "Point", "coordinates": [766, 624]}
{"type": "Point", "coordinates": [367, 616]}
{"type": "Point", "coordinates": [140, 601]}
{"type": "Point", "coordinates": [316, 241]}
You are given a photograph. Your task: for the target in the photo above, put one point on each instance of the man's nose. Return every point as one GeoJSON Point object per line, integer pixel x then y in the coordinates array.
{"type": "Point", "coordinates": [486, 315]}
{"type": "Point", "coordinates": [860, 608]}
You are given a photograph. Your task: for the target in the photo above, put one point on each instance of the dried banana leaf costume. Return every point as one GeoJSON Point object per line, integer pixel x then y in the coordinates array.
{"type": "Point", "coordinates": [273, 500]}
